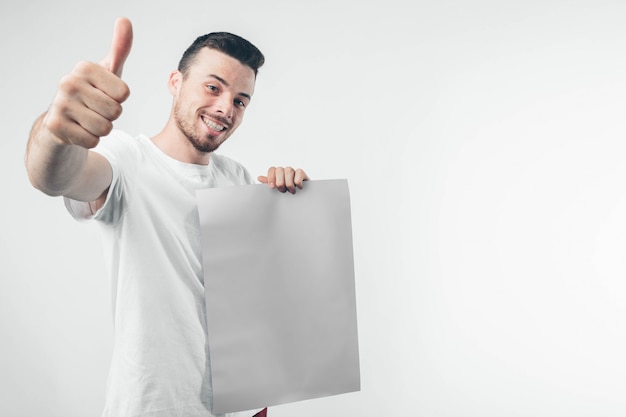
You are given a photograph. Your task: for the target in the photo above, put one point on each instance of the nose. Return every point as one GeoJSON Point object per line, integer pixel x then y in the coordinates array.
{"type": "Point", "coordinates": [225, 105]}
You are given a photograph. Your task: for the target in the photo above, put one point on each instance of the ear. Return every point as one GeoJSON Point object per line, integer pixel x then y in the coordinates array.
{"type": "Point", "coordinates": [175, 82]}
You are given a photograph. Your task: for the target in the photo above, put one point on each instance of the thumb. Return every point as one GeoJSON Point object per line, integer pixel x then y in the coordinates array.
{"type": "Point", "coordinates": [120, 46]}
{"type": "Point", "coordinates": [265, 180]}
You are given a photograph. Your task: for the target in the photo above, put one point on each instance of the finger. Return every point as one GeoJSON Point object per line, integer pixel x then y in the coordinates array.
{"type": "Point", "coordinates": [120, 46]}
{"type": "Point", "coordinates": [69, 132]}
{"type": "Point", "coordinates": [290, 174]}
{"type": "Point", "coordinates": [73, 112]}
{"type": "Point", "coordinates": [301, 176]}
{"type": "Point", "coordinates": [87, 75]}
{"type": "Point", "coordinates": [105, 81]}
{"type": "Point", "coordinates": [92, 122]}
{"type": "Point", "coordinates": [280, 180]}
{"type": "Point", "coordinates": [262, 179]}
{"type": "Point", "coordinates": [105, 99]}
{"type": "Point", "coordinates": [77, 94]}
{"type": "Point", "coordinates": [271, 177]}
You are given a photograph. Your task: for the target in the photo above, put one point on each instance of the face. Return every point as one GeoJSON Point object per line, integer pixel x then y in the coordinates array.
{"type": "Point", "coordinates": [209, 103]}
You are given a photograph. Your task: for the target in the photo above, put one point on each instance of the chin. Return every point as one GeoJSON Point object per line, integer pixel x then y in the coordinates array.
{"type": "Point", "coordinates": [205, 146]}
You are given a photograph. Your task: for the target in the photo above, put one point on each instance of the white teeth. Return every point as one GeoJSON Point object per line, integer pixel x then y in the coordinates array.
{"type": "Point", "coordinates": [213, 125]}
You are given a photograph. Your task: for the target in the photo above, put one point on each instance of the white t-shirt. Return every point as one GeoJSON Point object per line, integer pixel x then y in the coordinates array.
{"type": "Point", "coordinates": [160, 365]}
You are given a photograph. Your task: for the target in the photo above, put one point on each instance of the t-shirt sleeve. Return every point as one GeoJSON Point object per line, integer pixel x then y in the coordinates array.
{"type": "Point", "coordinates": [119, 149]}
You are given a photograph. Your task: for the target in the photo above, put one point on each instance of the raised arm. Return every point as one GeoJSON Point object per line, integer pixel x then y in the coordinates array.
{"type": "Point", "coordinates": [88, 100]}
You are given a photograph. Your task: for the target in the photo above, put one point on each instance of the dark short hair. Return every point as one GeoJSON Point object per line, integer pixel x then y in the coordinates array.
{"type": "Point", "coordinates": [228, 43]}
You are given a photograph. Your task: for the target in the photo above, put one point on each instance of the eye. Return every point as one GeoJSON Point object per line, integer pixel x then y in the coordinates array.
{"type": "Point", "coordinates": [212, 88]}
{"type": "Point", "coordinates": [240, 103]}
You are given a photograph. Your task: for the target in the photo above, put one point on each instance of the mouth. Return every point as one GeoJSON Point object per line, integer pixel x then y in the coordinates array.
{"type": "Point", "coordinates": [213, 125]}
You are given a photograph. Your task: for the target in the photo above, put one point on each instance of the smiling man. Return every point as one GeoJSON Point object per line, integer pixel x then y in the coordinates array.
{"type": "Point", "coordinates": [141, 191]}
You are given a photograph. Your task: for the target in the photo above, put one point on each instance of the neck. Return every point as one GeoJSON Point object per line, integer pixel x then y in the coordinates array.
{"type": "Point", "coordinates": [174, 144]}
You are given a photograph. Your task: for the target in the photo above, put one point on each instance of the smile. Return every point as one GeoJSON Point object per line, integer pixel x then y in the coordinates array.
{"type": "Point", "coordinates": [213, 125]}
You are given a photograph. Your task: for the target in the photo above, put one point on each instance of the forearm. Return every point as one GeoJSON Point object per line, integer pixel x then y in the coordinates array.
{"type": "Point", "coordinates": [53, 167]}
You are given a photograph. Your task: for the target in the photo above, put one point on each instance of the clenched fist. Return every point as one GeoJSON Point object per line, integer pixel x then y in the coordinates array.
{"type": "Point", "coordinates": [90, 97]}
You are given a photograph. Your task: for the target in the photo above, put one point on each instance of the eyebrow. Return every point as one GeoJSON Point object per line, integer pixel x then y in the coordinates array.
{"type": "Point", "coordinates": [223, 81]}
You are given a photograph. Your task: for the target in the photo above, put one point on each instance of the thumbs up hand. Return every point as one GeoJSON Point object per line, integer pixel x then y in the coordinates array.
{"type": "Point", "coordinates": [89, 98]}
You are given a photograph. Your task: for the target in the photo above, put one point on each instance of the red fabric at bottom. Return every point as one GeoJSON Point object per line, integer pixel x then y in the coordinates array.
{"type": "Point", "coordinates": [262, 413]}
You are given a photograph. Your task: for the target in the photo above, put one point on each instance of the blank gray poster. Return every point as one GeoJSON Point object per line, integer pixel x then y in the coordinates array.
{"type": "Point", "coordinates": [279, 285]}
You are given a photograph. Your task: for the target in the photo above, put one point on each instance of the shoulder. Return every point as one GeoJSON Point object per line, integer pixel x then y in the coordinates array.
{"type": "Point", "coordinates": [119, 139]}
{"type": "Point", "coordinates": [119, 146]}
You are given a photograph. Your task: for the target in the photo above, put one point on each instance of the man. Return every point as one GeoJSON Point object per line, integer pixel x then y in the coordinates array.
{"type": "Point", "coordinates": [142, 191]}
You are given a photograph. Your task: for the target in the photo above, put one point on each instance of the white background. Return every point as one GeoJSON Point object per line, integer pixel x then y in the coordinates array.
{"type": "Point", "coordinates": [483, 142]}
